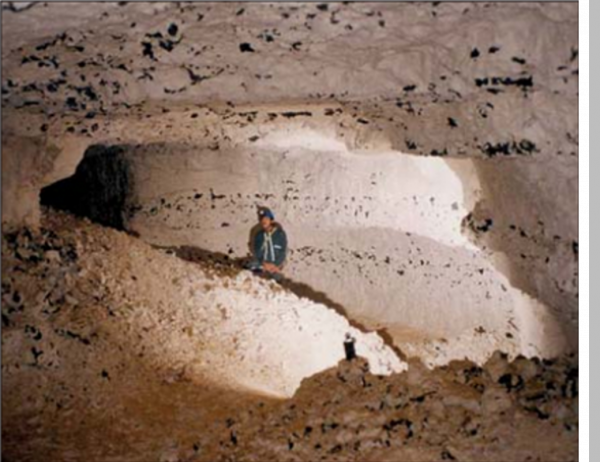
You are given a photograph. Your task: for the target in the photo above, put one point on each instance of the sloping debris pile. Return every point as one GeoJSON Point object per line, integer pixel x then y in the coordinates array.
{"type": "Point", "coordinates": [524, 410]}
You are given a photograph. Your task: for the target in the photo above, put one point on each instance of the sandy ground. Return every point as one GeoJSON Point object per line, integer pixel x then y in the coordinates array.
{"type": "Point", "coordinates": [144, 420]}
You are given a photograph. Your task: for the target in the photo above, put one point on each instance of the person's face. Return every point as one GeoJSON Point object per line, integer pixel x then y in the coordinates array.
{"type": "Point", "coordinates": [265, 223]}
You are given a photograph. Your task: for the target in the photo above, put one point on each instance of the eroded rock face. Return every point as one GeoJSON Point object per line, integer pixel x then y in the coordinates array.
{"type": "Point", "coordinates": [489, 90]}
{"type": "Point", "coordinates": [441, 53]}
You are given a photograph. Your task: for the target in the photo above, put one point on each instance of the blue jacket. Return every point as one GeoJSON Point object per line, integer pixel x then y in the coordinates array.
{"type": "Point", "coordinates": [270, 247]}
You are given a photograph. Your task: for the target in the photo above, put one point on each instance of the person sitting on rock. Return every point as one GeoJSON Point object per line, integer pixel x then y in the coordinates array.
{"type": "Point", "coordinates": [269, 246]}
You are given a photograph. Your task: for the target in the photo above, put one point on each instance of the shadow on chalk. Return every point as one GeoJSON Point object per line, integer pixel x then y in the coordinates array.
{"type": "Point", "coordinates": [228, 266]}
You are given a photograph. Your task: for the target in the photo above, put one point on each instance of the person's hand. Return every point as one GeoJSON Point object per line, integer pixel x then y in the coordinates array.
{"type": "Point", "coordinates": [271, 268]}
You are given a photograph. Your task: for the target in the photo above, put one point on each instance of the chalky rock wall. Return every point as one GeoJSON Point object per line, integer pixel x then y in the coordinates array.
{"type": "Point", "coordinates": [422, 157]}
{"type": "Point", "coordinates": [378, 233]}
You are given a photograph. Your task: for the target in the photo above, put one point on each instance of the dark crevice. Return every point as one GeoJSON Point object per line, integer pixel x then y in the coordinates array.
{"type": "Point", "coordinates": [98, 190]}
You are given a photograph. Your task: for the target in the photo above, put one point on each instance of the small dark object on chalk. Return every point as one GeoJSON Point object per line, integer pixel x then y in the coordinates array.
{"type": "Point", "coordinates": [349, 347]}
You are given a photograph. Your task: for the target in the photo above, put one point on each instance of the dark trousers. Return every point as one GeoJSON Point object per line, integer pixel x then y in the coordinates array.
{"type": "Point", "coordinates": [256, 267]}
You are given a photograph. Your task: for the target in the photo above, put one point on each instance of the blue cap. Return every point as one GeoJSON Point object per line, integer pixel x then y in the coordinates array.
{"type": "Point", "coordinates": [265, 212]}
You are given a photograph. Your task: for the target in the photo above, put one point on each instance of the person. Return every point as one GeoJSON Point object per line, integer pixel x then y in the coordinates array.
{"type": "Point", "coordinates": [269, 247]}
{"type": "Point", "coordinates": [349, 347]}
